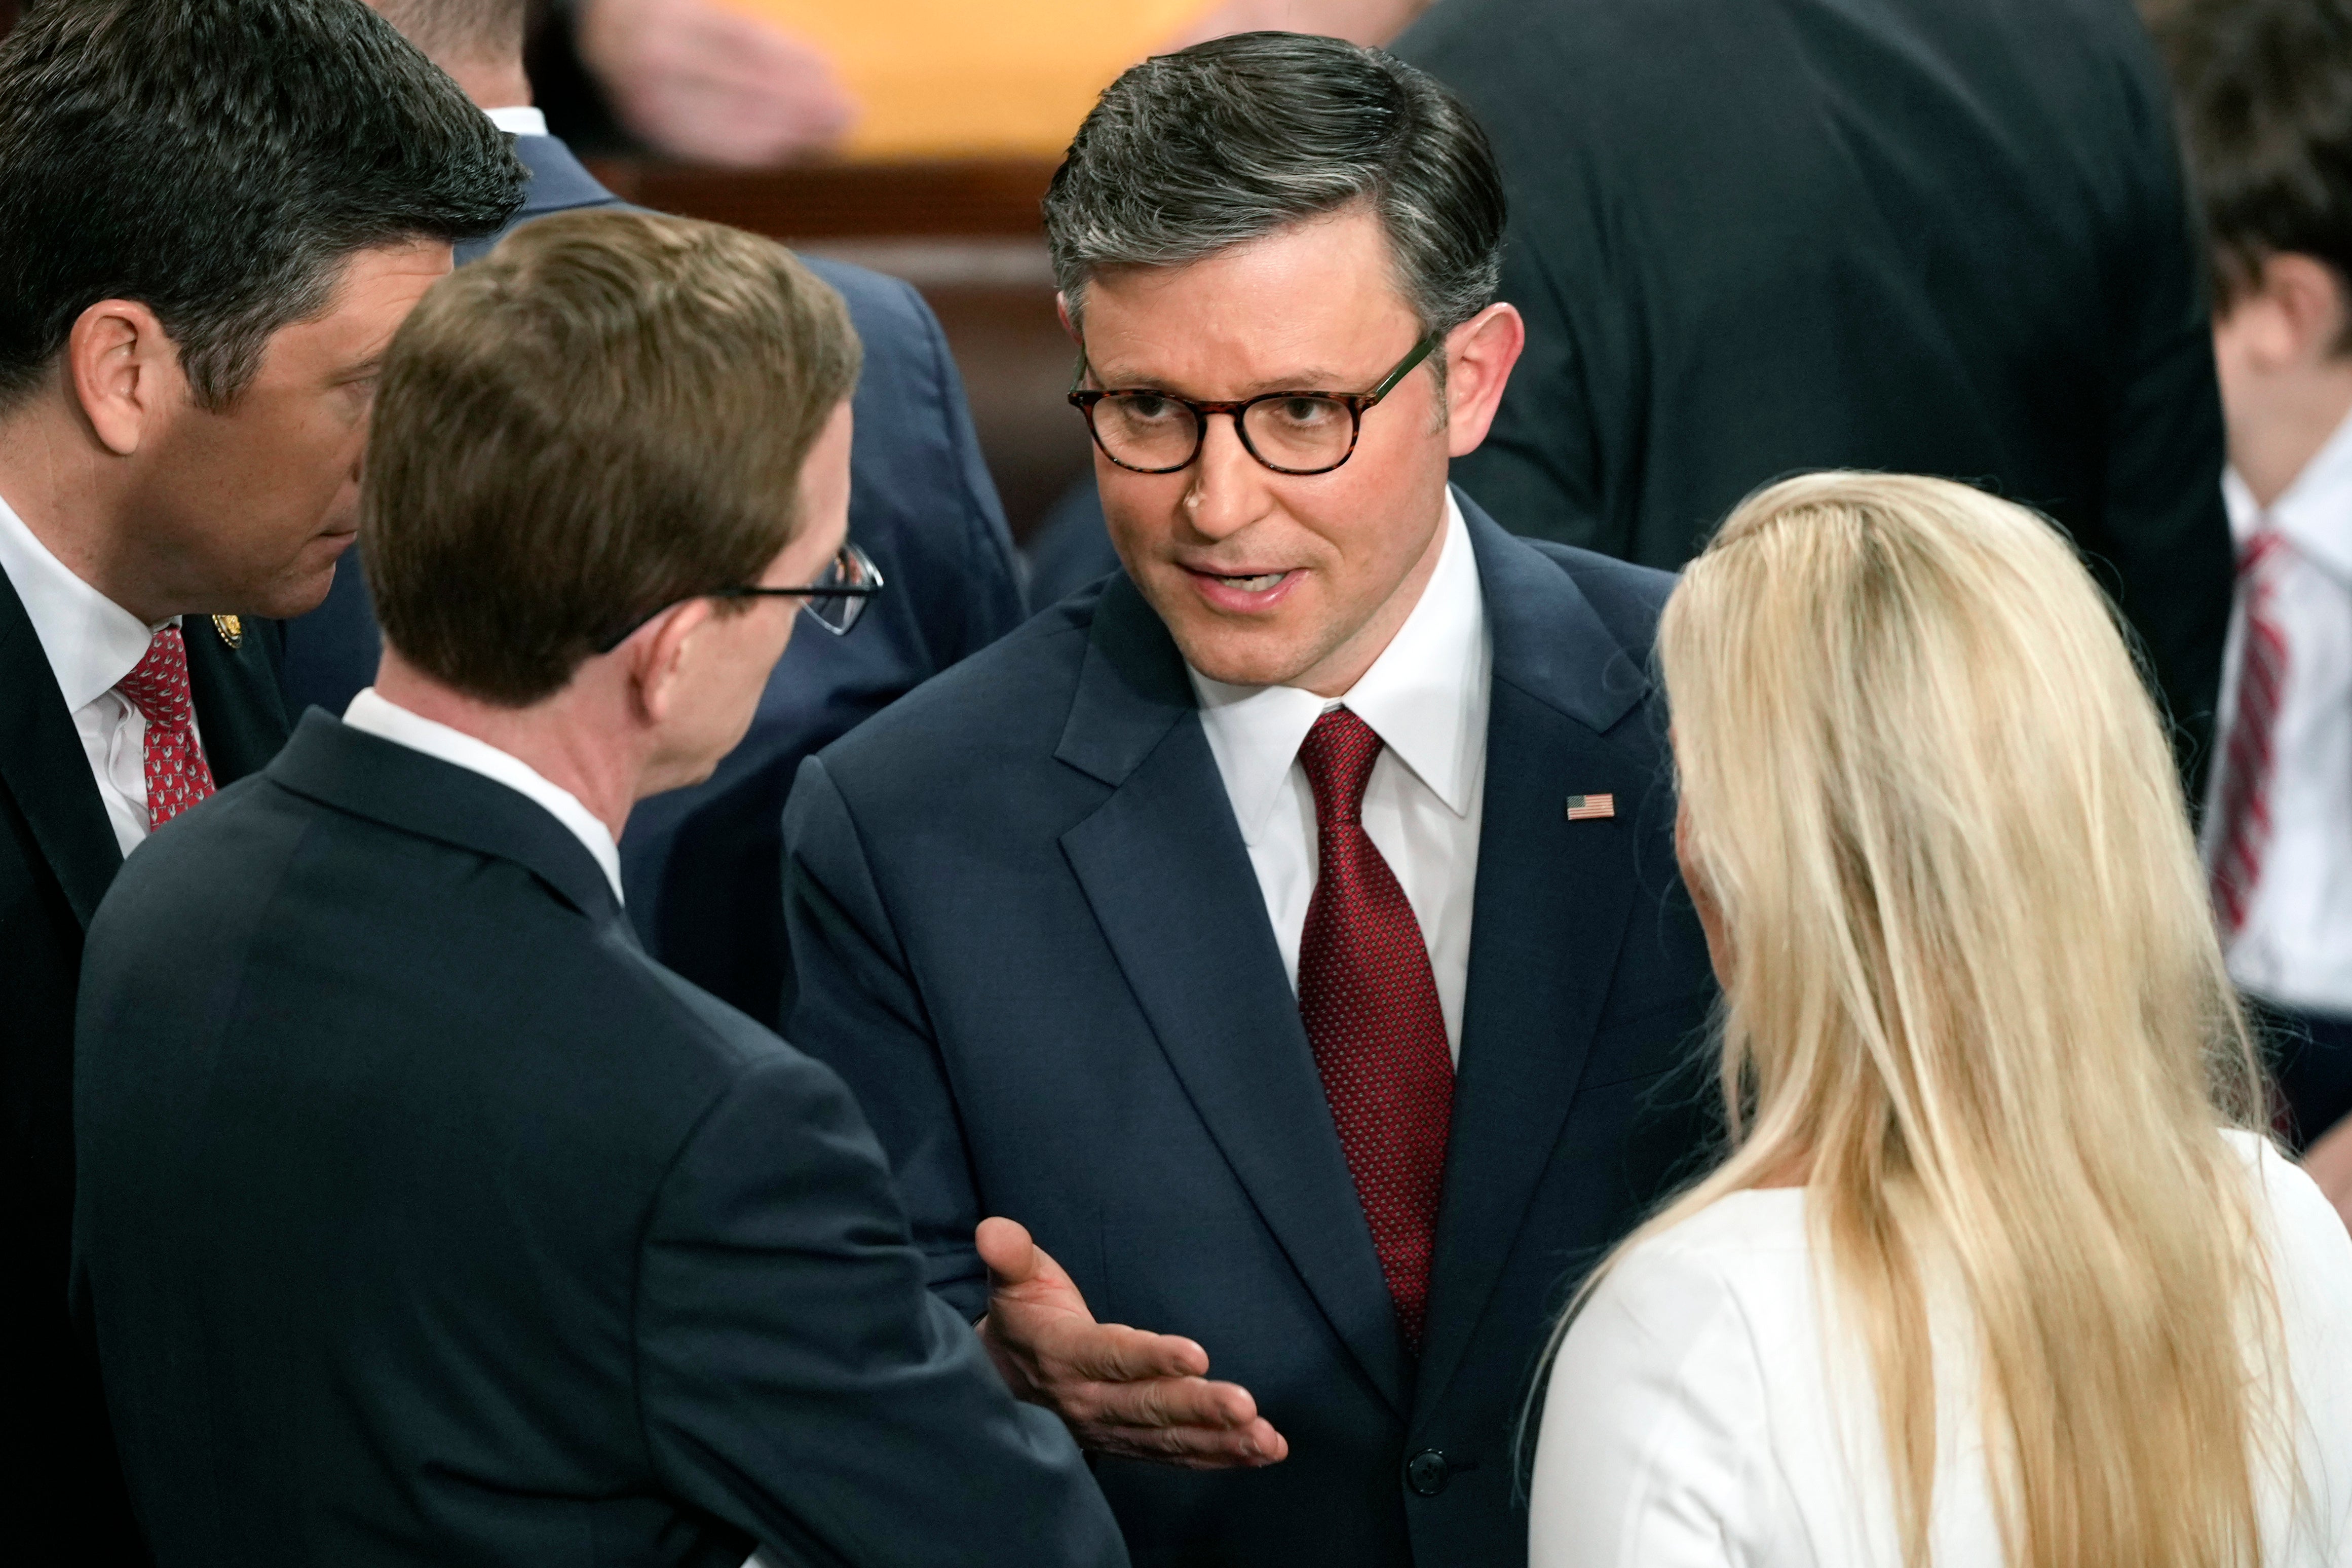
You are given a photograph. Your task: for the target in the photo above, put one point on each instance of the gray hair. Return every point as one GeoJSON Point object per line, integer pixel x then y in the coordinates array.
{"type": "Point", "coordinates": [1189, 153]}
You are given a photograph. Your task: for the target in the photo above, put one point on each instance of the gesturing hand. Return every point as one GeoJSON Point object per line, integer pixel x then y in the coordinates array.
{"type": "Point", "coordinates": [1120, 1390]}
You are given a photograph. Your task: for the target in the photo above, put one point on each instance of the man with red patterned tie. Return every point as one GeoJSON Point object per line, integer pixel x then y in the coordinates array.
{"type": "Point", "coordinates": [1277, 948]}
{"type": "Point", "coordinates": [217, 212]}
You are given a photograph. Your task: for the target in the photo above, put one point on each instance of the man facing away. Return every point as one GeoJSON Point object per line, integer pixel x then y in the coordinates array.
{"type": "Point", "coordinates": [213, 214]}
{"type": "Point", "coordinates": [1932, 236]}
{"type": "Point", "coordinates": [703, 865]}
{"type": "Point", "coordinates": [423, 1217]}
{"type": "Point", "coordinates": [1287, 934]}
{"type": "Point", "coordinates": [2263, 86]}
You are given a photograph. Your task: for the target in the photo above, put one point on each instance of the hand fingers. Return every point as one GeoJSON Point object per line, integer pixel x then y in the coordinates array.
{"type": "Point", "coordinates": [1005, 1247]}
{"type": "Point", "coordinates": [1167, 1402]}
{"type": "Point", "coordinates": [1113, 1352]}
{"type": "Point", "coordinates": [1192, 1448]}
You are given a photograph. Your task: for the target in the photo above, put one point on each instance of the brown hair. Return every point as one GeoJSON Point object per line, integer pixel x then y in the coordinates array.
{"type": "Point", "coordinates": [2262, 89]}
{"type": "Point", "coordinates": [607, 415]}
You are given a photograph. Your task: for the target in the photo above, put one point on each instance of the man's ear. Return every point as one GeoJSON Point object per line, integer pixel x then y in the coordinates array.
{"type": "Point", "coordinates": [123, 371]}
{"type": "Point", "coordinates": [1062, 310]}
{"type": "Point", "coordinates": [661, 654]}
{"type": "Point", "coordinates": [1479, 355]}
{"type": "Point", "coordinates": [2307, 309]}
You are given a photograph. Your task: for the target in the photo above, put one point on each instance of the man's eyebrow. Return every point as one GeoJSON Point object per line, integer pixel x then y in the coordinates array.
{"type": "Point", "coordinates": [362, 370]}
{"type": "Point", "coordinates": [1312, 379]}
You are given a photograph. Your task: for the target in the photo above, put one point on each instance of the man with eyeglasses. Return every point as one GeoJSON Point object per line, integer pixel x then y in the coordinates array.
{"type": "Point", "coordinates": [1285, 937]}
{"type": "Point", "coordinates": [423, 1217]}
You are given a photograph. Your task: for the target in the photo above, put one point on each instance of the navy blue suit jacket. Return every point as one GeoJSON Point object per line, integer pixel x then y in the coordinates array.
{"type": "Point", "coordinates": [423, 1219]}
{"type": "Point", "coordinates": [701, 866]}
{"type": "Point", "coordinates": [1026, 932]}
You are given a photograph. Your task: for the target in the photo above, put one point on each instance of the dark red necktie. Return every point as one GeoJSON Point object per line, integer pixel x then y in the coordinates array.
{"type": "Point", "coordinates": [178, 775]}
{"type": "Point", "coordinates": [1370, 1003]}
{"type": "Point", "coordinates": [2245, 829]}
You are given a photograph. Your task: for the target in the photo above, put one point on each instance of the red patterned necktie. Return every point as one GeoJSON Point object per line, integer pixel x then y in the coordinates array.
{"type": "Point", "coordinates": [178, 774]}
{"type": "Point", "coordinates": [1370, 1003]}
{"type": "Point", "coordinates": [2244, 827]}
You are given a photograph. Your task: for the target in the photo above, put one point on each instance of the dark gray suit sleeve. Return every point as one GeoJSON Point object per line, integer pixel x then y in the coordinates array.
{"type": "Point", "coordinates": [797, 1380]}
{"type": "Point", "coordinates": [856, 1008]}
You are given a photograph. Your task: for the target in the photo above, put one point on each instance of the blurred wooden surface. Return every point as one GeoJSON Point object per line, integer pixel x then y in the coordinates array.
{"type": "Point", "coordinates": [949, 78]}
{"type": "Point", "coordinates": [969, 237]}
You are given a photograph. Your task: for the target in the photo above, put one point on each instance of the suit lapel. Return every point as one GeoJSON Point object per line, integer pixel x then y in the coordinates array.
{"type": "Point", "coordinates": [46, 770]}
{"type": "Point", "coordinates": [1549, 915]}
{"type": "Point", "coordinates": [238, 711]}
{"type": "Point", "coordinates": [1164, 866]}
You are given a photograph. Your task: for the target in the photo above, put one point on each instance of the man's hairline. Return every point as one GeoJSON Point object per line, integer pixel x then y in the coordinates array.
{"type": "Point", "coordinates": [339, 269]}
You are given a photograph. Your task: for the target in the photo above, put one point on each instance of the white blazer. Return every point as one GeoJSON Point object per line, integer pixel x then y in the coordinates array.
{"type": "Point", "coordinates": [1698, 1416]}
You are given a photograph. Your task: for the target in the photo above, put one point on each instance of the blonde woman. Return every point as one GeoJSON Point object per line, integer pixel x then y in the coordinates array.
{"type": "Point", "coordinates": [1990, 1277]}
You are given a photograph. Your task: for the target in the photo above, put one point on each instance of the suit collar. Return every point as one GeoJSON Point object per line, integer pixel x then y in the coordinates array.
{"type": "Point", "coordinates": [240, 713]}
{"type": "Point", "coordinates": [45, 768]}
{"type": "Point", "coordinates": [91, 641]}
{"type": "Point", "coordinates": [379, 716]}
{"type": "Point", "coordinates": [1549, 642]}
{"type": "Point", "coordinates": [558, 179]}
{"type": "Point", "coordinates": [1131, 689]}
{"type": "Point", "coordinates": [332, 763]}
{"type": "Point", "coordinates": [1554, 902]}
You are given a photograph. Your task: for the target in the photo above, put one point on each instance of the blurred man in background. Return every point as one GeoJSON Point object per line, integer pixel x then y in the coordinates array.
{"type": "Point", "coordinates": [1946, 236]}
{"type": "Point", "coordinates": [2265, 98]}
{"type": "Point", "coordinates": [213, 214]}
{"type": "Point", "coordinates": [702, 865]}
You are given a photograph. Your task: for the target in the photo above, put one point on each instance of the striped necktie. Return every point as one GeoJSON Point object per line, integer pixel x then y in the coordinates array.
{"type": "Point", "coordinates": [2243, 829]}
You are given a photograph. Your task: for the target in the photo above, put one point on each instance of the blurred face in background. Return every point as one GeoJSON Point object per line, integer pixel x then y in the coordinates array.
{"type": "Point", "coordinates": [1268, 578]}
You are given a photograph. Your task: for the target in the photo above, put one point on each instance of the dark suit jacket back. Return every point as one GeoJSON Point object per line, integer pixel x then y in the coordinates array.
{"type": "Point", "coordinates": [1027, 930]}
{"type": "Point", "coordinates": [57, 857]}
{"type": "Point", "coordinates": [424, 1219]}
{"type": "Point", "coordinates": [1946, 237]}
{"type": "Point", "coordinates": [703, 865]}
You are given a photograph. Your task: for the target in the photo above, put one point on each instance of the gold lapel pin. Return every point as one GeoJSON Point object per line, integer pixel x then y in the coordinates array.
{"type": "Point", "coordinates": [1590, 807]}
{"type": "Point", "coordinates": [230, 629]}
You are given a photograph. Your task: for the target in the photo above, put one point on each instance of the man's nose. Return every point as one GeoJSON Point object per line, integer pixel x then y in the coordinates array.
{"type": "Point", "coordinates": [1227, 488]}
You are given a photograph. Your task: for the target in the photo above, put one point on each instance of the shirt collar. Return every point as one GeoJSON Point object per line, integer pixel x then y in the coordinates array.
{"type": "Point", "coordinates": [91, 641]}
{"type": "Point", "coordinates": [2314, 512]}
{"type": "Point", "coordinates": [519, 120]}
{"type": "Point", "coordinates": [379, 716]}
{"type": "Point", "coordinates": [1425, 696]}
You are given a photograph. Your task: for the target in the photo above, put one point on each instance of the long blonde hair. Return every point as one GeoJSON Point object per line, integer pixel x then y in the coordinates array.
{"type": "Point", "coordinates": [1976, 1001]}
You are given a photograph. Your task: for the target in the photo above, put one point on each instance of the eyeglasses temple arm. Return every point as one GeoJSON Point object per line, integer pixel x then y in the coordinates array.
{"type": "Point", "coordinates": [1420, 353]}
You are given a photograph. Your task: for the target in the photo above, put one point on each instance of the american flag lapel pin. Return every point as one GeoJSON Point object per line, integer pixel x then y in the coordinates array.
{"type": "Point", "coordinates": [1590, 807]}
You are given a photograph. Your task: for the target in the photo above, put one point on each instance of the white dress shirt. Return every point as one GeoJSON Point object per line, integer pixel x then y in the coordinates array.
{"type": "Point", "coordinates": [1426, 698]}
{"type": "Point", "coordinates": [2295, 947]}
{"type": "Point", "coordinates": [1702, 1415]}
{"type": "Point", "coordinates": [517, 119]}
{"type": "Point", "coordinates": [92, 643]}
{"type": "Point", "coordinates": [388, 720]}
